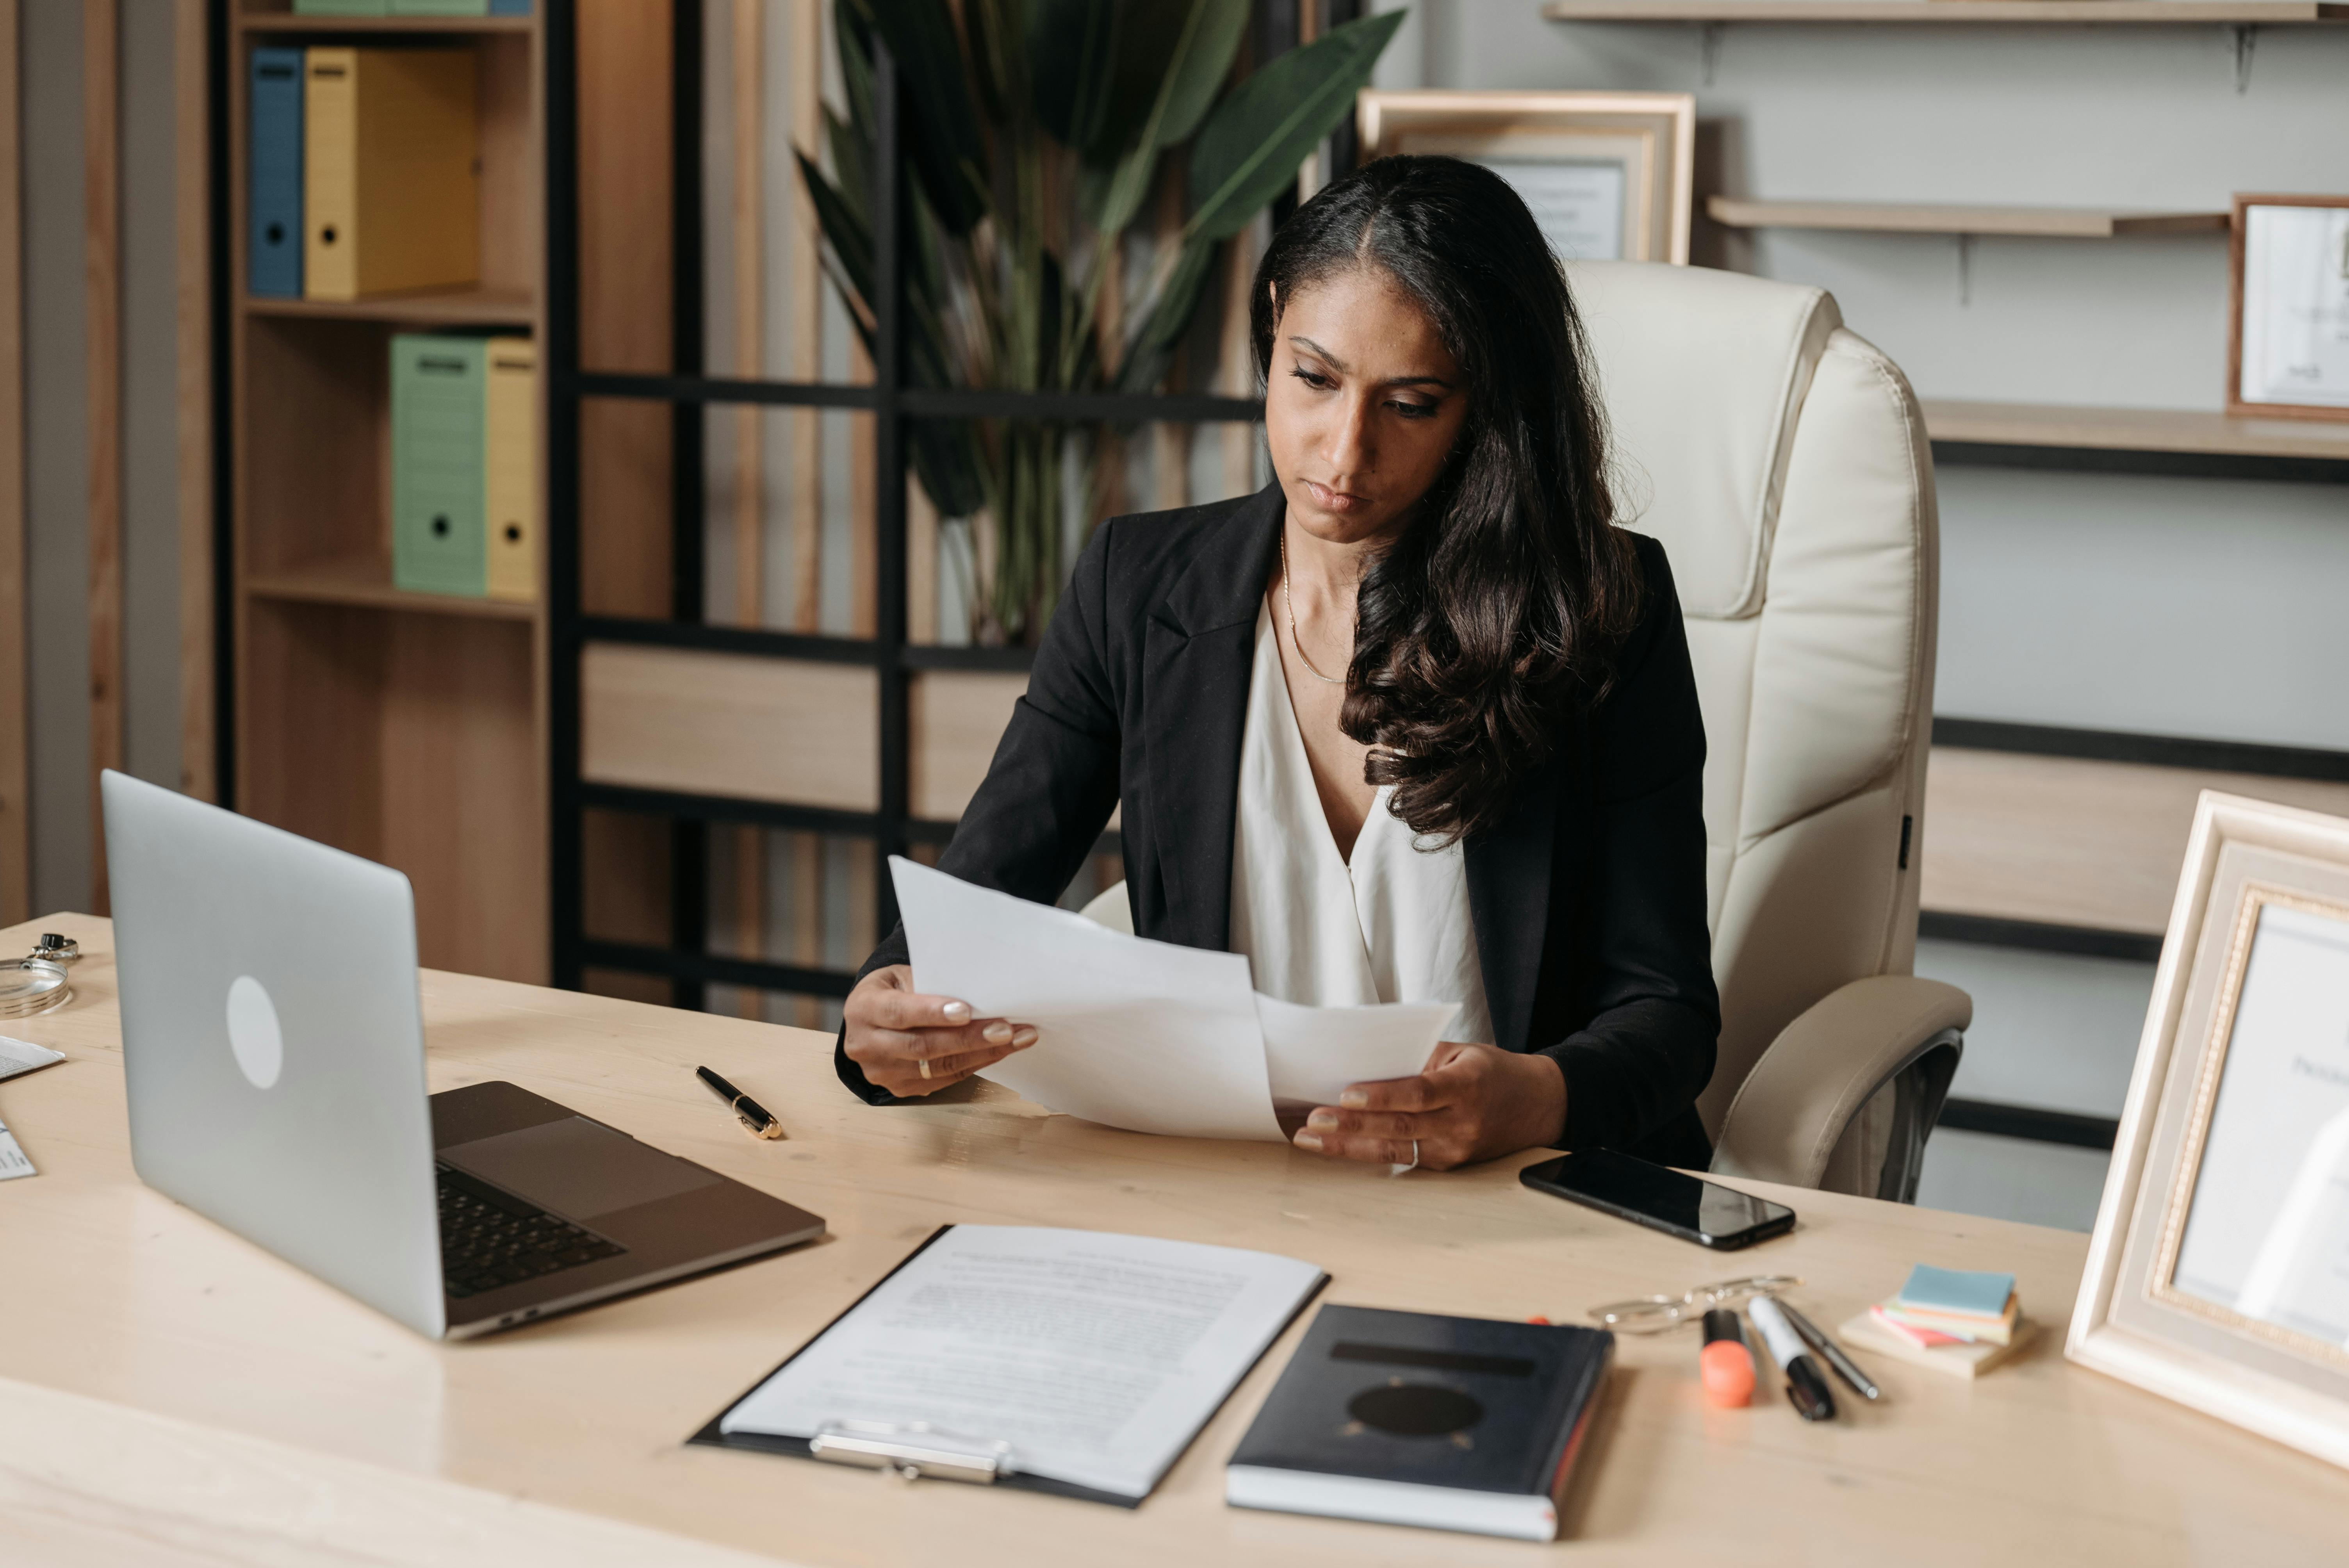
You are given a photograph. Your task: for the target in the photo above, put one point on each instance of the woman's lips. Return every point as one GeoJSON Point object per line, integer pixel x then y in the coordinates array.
{"type": "Point", "coordinates": [1330, 500]}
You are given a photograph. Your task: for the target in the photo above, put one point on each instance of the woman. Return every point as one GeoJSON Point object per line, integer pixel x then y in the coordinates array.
{"type": "Point", "coordinates": [1416, 723]}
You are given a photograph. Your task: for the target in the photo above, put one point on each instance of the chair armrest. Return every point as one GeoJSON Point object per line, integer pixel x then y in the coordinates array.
{"type": "Point", "coordinates": [1796, 1103]}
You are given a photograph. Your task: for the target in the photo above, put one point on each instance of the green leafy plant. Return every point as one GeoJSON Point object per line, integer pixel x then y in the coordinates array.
{"type": "Point", "coordinates": [1034, 133]}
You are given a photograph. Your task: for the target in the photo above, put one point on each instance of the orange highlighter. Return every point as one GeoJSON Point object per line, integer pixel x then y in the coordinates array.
{"type": "Point", "coordinates": [1725, 1365]}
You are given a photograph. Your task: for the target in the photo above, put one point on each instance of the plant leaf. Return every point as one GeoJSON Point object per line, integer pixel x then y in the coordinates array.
{"type": "Point", "coordinates": [1071, 67]}
{"type": "Point", "coordinates": [943, 126]}
{"type": "Point", "coordinates": [1254, 143]}
{"type": "Point", "coordinates": [1196, 74]}
{"type": "Point", "coordinates": [1151, 348]}
{"type": "Point", "coordinates": [1201, 58]}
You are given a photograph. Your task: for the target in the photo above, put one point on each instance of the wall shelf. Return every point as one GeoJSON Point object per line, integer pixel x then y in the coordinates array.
{"type": "Point", "coordinates": [365, 582]}
{"type": "Point", "coordinates": [451, 307]}
{"type": "Point", "coordinates": [2176, 442]}
{"type": "Point", "coordinates": [1960, 12]}
{"type": "Point", "coordinates": [267, 22]}
{"type": "Point", "coordinates": [1902, 218]}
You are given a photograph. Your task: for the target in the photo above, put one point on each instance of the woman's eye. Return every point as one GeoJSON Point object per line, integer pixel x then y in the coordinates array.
{"type": "Point", "coordinates": [1311, 377]}
{"type": "Point", "coordinates": [1414, 410]}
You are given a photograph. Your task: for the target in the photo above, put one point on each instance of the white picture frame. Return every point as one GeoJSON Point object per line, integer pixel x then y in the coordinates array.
{"type": "Point", "coordinates": [1610, 176]}
{"type": "Point", "coordinates": [2288, 308]}
{"type": "Point", "coordinates": [2184, 1300]}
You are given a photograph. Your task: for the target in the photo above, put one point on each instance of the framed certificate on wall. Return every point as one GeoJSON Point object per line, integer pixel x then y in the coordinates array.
{"type": "Point", "coordinates": [2219, 1274]}
{"type": "Point", "coordinates": [2288, 343]}
{"type": "Point", "coordinates": [1607, 175]}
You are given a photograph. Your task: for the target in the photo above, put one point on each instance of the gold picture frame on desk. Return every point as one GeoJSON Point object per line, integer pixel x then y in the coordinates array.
{"type": "Point", "coordinates": [1608, 175]}
{"type": "Point", "coordinates": [2288, 308]}
{"type": "Point", "coordinates": [2219, 1274]}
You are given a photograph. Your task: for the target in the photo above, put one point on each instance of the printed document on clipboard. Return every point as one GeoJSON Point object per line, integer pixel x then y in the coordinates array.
{"type": "Point", "coordinates": [1074, 1362]}
{"type": "Point", "coordinates": [1147, 1036]}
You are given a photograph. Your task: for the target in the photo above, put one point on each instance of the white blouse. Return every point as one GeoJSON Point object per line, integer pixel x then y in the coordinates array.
{"type": "Point", "coordinates": [1391, 926]}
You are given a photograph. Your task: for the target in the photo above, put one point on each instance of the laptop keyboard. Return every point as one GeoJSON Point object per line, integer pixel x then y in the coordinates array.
{"type": "Point", "coordinates": [489, 1238]}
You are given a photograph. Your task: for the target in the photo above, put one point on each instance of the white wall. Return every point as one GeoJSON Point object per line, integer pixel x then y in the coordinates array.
{"type": "Point", "coordinates": [2175, 606]}
{"type": "Point", "coordinates": [57, 431]}
{"type": "Point", "coordinates": [2185, 607]}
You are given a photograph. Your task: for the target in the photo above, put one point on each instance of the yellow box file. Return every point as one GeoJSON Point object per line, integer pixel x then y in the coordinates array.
{"type": "Point", "coordinates": [511, 471]}
{"type": "Point", "coordinates": [390, 171]}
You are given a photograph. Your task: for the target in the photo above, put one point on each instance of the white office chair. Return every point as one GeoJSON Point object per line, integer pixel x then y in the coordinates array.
{"type": "Point", "coordinates": [1784, 464]}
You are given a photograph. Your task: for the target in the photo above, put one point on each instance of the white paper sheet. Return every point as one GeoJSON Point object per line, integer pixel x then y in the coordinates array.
{"type": "Point", "coordinates": [23, 1056]}
{"type": "Point", "coordinates": [1136, 1034]}
{"type": "Point", "coordinates": [1096, 1357]}
{"type": "Point", "coordinates": [1312, 1054]}
{"type": "Point", "coordinates": [12, 1163]}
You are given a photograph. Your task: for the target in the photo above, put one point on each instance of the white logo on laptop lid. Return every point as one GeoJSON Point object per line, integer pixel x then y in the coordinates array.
{"type": "Point", "coordinates": [253, 1032]}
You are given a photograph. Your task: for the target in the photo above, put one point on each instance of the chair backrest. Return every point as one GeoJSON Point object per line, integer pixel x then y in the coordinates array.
{"type": "Point", "coordinates": [1783, 463]}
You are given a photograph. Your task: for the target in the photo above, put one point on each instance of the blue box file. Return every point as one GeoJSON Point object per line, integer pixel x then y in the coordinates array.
{"type": "Point", "coordinates": [274, 244]}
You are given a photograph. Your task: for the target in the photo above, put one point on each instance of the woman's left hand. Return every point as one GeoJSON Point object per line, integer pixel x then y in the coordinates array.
{"type": "Point", "coordinates": [1470, 1103]}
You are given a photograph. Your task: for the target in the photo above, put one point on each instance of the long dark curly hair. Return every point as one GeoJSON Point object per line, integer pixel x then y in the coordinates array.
{"type": "Point", "coordinates": [1501, 606]}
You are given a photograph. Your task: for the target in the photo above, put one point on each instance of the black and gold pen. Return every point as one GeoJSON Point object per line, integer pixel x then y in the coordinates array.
{"type": "Point", "coordinates": [754, 1115]}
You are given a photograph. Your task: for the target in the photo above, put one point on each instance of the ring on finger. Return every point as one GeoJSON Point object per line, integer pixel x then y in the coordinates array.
{"type": "Point", "coordinates": [926, 1066]}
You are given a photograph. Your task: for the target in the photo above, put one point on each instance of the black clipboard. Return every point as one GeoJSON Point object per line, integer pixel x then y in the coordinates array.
{"type": "Point", "coordinates": [709, 1435]}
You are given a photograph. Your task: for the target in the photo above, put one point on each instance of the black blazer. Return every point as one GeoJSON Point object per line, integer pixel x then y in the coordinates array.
{"type": "Point", "coordinates": [1589, 898]}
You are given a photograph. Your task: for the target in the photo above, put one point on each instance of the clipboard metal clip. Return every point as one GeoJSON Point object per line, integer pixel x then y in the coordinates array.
{"type": "Point", "coordinates": [912, 1450]}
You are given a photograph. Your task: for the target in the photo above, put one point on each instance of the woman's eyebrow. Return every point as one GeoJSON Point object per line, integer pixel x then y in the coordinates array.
{"type": "Point", "coordinates": [1340, 365]}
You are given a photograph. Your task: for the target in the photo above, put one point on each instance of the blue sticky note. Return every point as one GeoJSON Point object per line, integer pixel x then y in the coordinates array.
{"type": "Point", "coordinates": [1966, 1291]}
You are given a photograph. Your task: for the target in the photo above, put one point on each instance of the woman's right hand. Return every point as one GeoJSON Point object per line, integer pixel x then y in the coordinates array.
{"type": "Point", "coordinates": [894, 1030]}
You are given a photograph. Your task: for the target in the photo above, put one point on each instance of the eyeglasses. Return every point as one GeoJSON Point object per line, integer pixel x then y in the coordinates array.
{"type": "Point", "coordinates": [1655, 1314]}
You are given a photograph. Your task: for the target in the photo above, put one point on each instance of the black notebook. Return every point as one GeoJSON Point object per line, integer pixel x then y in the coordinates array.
{"type": "Point", "coordinates": [1406, 1418]}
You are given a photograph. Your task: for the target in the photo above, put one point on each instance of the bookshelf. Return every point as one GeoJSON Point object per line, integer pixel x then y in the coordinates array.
{"type": "Point", "coordinates": [406, 728]}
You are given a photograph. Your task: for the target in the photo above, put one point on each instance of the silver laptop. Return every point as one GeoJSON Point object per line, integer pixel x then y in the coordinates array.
{"type": "Point", "coordinates": [273, 1045]}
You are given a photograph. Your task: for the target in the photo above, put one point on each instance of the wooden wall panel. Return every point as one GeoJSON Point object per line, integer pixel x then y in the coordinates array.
{"type": "Point", "coordinates": [2070, 842]}
{"type": "Point", "coordinates": [191, 233]}
{"type": "Point", "coordinates": [16, 740]}
{"type": "Point", "coordinates": [727, 723]}
{"type": "Point", "coordinates": [958, 717]}
{"type": "Point", "coordinates": [103, 327]}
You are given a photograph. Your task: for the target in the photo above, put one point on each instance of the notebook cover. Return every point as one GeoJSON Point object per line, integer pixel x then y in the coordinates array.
{"type": "Point", "coordinates": [710, 1436]}
{"type": "Point", "coordinates": [1473, 1404]}
{"type": "Point", "coordinates": [510, 484]}
{"type": "Point", "coordinates": [438, 451]}
{"type": "Point", "coordinates": [273, 235]}
{"type": "Point", "coordinates": [1963, 1291]}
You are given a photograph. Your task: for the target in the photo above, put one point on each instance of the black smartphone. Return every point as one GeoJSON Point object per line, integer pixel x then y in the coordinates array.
{"type": "Point", "coordinates": [1661, 1198]}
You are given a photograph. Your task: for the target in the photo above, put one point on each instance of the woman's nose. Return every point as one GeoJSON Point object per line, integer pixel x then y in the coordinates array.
{"type": "Point", "coordinates": [1351, 452]}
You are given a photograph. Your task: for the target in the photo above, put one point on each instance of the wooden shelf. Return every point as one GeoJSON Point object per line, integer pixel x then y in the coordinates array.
{"type": "Point", "coordinates": [366, 580]}
{"type": "Point", "coordinates": [1960, 12]}
{"type": "Point", "coordinates": [453, 308]}
{"type": "Point", "coordinates": [2177, 430]}
{"type": "Point", "coordinates": [354, 26]}
{"type": "Point", "coordinates": [1896, 218]}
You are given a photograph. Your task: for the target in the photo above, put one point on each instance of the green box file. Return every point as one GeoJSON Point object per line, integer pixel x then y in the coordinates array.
{"type": "Point", "coordinates": [341, 8]}
{"type": "Point", "coordinates": [439, 403]}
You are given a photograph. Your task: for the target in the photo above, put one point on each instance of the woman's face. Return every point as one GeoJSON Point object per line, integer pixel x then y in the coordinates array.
{"type": "Point", "coordinates": [1362, 407]}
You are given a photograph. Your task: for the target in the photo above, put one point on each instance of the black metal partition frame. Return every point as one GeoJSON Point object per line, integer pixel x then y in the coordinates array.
{"type": "Point", "coordinates": [892, 404]}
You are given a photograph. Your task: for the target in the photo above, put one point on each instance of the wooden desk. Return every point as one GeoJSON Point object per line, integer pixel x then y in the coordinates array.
{"type": "Point", "coordinates": [170, 1394]}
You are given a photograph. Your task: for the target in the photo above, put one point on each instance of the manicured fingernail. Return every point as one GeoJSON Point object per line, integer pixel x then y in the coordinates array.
{"type": "Point", "coordinates": [1307, 1141]}
{"type": "Point", "coordinates": [1324, 1118]}
{"type": "Point", "coordinates": [1354, 1100]}
{"type": "Point", "coordinates": [1024, 1039]}
{"type": "Point", "coordinates": [997, 1034]}
{"type": "Point", "coordinates": [956, 1012]}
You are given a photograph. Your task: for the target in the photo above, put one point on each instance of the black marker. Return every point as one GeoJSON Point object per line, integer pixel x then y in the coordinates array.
{"type": "Point", "coordinates": [1806, 1386]}
{"type": "Point", "coordinates": [754, 1115]}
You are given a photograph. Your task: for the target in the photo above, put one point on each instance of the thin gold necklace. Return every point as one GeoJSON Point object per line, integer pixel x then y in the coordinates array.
{"type": "Point", "coordinates": [1290, 605]}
